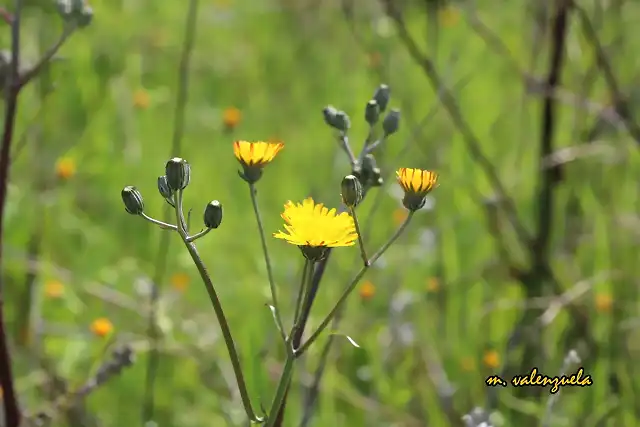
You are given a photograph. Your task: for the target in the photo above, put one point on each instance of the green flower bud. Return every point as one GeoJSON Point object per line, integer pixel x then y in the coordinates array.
{"type": "Point", "coordinates": [178, 172]}
{"type": "Point", "coordinates": [391, 122]}
{"type": "Point", "coordinates": [163, 187]}
{"type": "Point", "coordinates": [85, 17]}
{"type": "Point", "coordinates": [132, 199]}
{"type": "Point", "coordinates": [372, 112]}
{"type": "Point", "coordinates": [351, 191]}
{"type": "Point", "coordinates": [329, 113]}
{"type": "Point", "coordinates": [382, 96]}
{"type": "Point", "coordinates": [213, 214]}
{"type": "Point", "coordinates": [341, 121]}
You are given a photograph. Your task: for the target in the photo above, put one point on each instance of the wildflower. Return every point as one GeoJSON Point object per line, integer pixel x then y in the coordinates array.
{"type": "Point", "coordinates": [132, 199]}
{"type": "Point", "coordinates": [213, 214]}
{"type": "Point", "coordinates": [449, 16]}
{"type": "Point", "coordinates": [433, 284]}
{"type": "Point", "coordinates": [399, 216]}
{"type": "Point", "coordinates": [53, 288]}
{"type": "Point", "coordinates": [314, 228]}
{"type": "Point", "coordinates": [253, 156]}
{"type": "Point", "coordinates": [603, 302]}
{"type": "Point", "coordinates": [367, 290]}
{"type": "Point", "coordinates": [416, 183]}
{"type": "Point", "coordinates": [468, 364]}
{"type": "Point", "coordinates": [141, 99]}
{"type": "Point", "coordinates": [180, 281]}
{"type": "Point", "coordinates": [65, 168]}
{"type": "Point", "coordinates": [491, 359]}
{"type": "Point", "coordinates": [231, 118]}
{"type": "Point", "coordinates": [101, 327]}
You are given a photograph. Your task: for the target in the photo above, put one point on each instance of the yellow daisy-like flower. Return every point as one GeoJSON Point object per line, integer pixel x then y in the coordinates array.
{"type": "Point", "coordinates": [53, 288]}
{"type": "Point", "coordinates": [416, 183]}
{"type": "Point", "coordinates": [65, 168]}
{"type": "Point", "coordinates": [253, 156]}
{"type": "Point", "coordinates": [314, 228]}
{"type": "Point", "coordinates": [101, 327]}
{"type": "Point", "coordinates": [231, 117]}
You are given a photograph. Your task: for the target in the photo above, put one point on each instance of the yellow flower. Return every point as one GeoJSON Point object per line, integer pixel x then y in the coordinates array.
{"type": "Point", "coordinates": [314, 228]}
{"type": "Point", "coordinates": [253, 156]}
{"type": "Point", "coordinates": [433, 284]}
{"type": "Point", "coordinates": [231, 117]}
{"type": "Point", "coordinates": [367, 290]}
{"type": "Point", "coordinates": [53, 288]}
{"type": "Point", "coordinates": [399, 216]}
{"type": "Point", "coordinates": [491, 359]}
{"type": "Point", "coordinates": [101, 327]}
{"type": "Point", "coordinates": [449, 16]}
{"type": "Point", "coordinates": [141, 99]}
{"type": "Point", "coordinates": [604, 302]}
{"type": "Point", "coordinates": [65, 168]}
{"type": "Point", "coordinates": [416, 183]}
{"type": "Point", "coordinates": [180, 281]}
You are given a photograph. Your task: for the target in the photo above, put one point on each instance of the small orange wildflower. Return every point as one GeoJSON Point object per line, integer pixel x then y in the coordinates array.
{"type": "Point", "coordinates": [53, 288]}
{"type": "Point", "coordinates": [141, 99]}
{"type": "Point", "coordinates": [433, 284]}
{"type": "Point", "coordinates": [491, 359]}
{"type": "Point", "coordinates": [367, 290]}
{"type": "Point", "coordinates": [180, 281]}
{"type": "Point", "coordinates": [65, 168]}
{"type": "Point", "coordinates": [101, 327]}
{"type": "Point", "coordinates": [604, 302]}
{"type": "Point", "coordinates": [231, 117]}
{"type": "Point", "coordinates": [399, 216]}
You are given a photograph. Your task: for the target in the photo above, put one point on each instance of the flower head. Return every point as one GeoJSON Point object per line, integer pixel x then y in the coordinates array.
{"type": "Point", "coordinates": [231, 117]}
{"type": "Point", "coordinates": [141, 99]}
{"type": "Point", "coordinates": [416, 183]}
{"type": "Point", "coordinates": [65, 168]}
{"type": "Point", "coordinates": [314, 228]}
{"type": "Point", "coordinates": [367, 291]}
{"type": "Point", "coordinates": [53, 288]}
{"type": "Point", "coordinates": [180, 281]}
{"type": "Point", "coordinates": [603, 302]}
{"type": "Point", "coordinates": [433, 284]}
{"type": "Point", "coordinates": [253, 156]}
{"type": "Point", "coordinates": [491, 359]}
{"type": "Point", "coordinates": [101, 327]}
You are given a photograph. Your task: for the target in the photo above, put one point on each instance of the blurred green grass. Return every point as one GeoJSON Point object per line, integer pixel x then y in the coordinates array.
{"type": "Point", "coordinates": [280, 64]}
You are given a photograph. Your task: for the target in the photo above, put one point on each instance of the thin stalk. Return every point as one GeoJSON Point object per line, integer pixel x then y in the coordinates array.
{"type": "Point", "coordinates": [363, 252]}
{"type": "Point", "coordinates": [352, 286]}
{"type": "Point", "coordinates": [272, 285]}
{"type": "Point", "coordinates": [287, 372]}
{"type": "Point", "coordinates": [302, 291]}
{"type": "Point", "coordinates": [217, 307]}
{"type": "Point", "coordinates": [161, 224]}
{"type": "Point", "coordinates": [198, 234]}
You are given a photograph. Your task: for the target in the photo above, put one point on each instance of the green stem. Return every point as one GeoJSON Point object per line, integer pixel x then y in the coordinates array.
{"type": "Point", "coordinates": [158, 223]}
{"type": "Point", "coordinates": [299, 351]}
{"type": "Point", "coordinates": [267, 261]}
{"type": "Point", "coordinates": [363, 252]}
{"type": "Point", "coordinates": [198, 235]}
{"type": "Point", "coordinates": [217, 307]}
{"type": "Point", "coordinates": [301, 291]}
{"type": "Point", "coordinates": [287, 371]}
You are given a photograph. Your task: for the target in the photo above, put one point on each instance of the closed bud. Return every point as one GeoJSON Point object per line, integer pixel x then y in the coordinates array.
{"type": "Point", "coordinates": [382, 96]}
{"type": "Point", "coordinates": [163, 187]}
{"type": "Point", "coordinates": [372, 112]}
{"type": "Point", "coordinates": [178, 172]}
{"type": "Point", "coordinates": [132, 199]}
{"type": "Point", "coordinates": [391, 122]}
{"type": "Point", "coordinates": [329, 114]}
{"type": "Point", "coordinates": [213, 214]}
{"type": "Point", "coordinates": [341, 121]}
{"type": "Point", "coordinates": [351, 191]}
{"type": "Point", "coordinates": [85, 17]}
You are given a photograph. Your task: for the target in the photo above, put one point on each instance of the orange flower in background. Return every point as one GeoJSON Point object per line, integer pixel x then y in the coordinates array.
{"type": "Point", "coordinates": [101, 327]}
{"type": "Point", "coordinates": [180, 281]}
{"type": "Point", "coordinates": [603, 302]}
{"type": "Point", "coordinates": [449, 16]}
{"type": "Point", "coordinates": [491, 359]}
{"type": "Point", "coordinates": [65, 168]}
{"type": "Point", "coordinates": [367, 290]}
{"type": "Point", "coordinates": [433, 284]}
{"type": "Point", "coordinates": [141, 99]}
{"type": "Point", "coordinates": [231, 117]}
{"type": "Point", "coordinates": [53, 288]}
{"type": "Point", "coordinates": [399, 216]}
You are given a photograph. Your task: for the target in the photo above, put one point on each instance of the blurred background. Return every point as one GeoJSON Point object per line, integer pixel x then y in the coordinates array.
{"type": "Point", "coordinates": [525, 256]}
